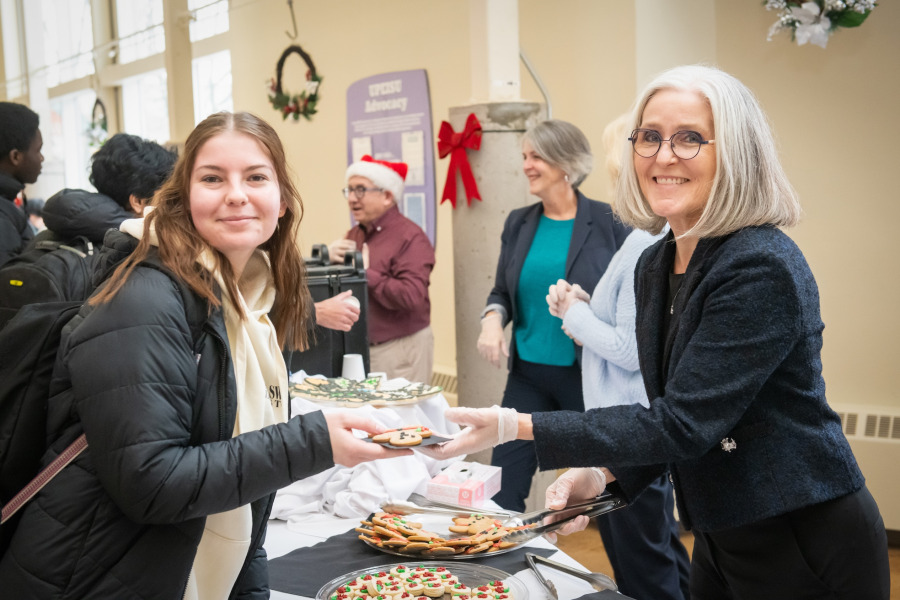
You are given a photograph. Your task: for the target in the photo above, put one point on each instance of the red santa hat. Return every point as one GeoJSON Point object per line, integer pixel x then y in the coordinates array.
{"type": "Point", "coordinates": [386, 175]}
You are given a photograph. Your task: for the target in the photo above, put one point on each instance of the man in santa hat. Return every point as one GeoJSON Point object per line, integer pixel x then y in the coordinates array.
{"type": "Point", "coordinates": [398, 259]}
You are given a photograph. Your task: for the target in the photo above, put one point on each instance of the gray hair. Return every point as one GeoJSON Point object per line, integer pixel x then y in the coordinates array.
{"type": "Point", "coordinates": [564, 146]}
{"type": "Point", "coordinates": [750, 187]}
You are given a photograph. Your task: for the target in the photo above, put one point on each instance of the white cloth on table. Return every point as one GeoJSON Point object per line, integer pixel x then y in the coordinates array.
{"type": "Point", "coordinates": [358, 491]}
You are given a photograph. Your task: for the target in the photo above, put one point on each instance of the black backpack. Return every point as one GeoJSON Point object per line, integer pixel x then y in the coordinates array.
{"type": "Point", "coordinates": [47, 271]}
{"type": "Point", "coordinates": [28, 350]}
{"type": "Point", "coordinates": [28, 347]}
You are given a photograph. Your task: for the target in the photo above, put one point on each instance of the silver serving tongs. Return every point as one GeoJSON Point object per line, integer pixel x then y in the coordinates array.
{"type": "Point", "coordinates": [598, 581]}
{"type": "Point", "coordinates": [596, 507]}
{"type": "Point", "coordinates": [548, 585]}
{"type": "Point", "coordinates": [400, 507]}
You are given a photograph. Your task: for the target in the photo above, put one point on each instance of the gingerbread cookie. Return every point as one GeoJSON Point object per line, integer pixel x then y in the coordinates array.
{"type": "Point", "coordinates": [402, 436]}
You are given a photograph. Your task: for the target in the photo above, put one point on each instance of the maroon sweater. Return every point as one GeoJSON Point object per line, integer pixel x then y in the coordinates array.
{"type": "Point", "coordinates": [400, 263]}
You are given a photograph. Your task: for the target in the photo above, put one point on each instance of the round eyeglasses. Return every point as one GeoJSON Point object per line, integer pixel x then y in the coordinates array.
{"type": "Point", "coordinates": [359, 191]}
{"type": "Point", "coordinates": [685, 144]}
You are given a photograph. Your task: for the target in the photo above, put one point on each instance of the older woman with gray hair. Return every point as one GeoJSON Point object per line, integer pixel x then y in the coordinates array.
{"type": "Point", "coordinates": [729, 340]}
{"type": "Point", "coordinates": [564, 236]}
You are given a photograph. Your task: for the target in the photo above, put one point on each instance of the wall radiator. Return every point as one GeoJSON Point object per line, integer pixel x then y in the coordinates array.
{"type": "Point", "coordinates": [446, 378]}
{"type": "Point", "coordinates": [874, 435]}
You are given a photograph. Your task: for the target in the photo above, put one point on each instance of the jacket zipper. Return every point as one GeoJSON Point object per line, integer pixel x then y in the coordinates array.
{"type": "Point", "coordinates": [220, 389]}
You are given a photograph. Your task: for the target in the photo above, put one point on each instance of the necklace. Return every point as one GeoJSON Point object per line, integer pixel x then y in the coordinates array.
{"type": "Point", "coordinates": [675, 296]}
{"type": "Point", "coordinates": [672, 306]}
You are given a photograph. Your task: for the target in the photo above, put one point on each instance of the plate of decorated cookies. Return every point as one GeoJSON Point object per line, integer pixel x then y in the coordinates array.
{"type": "Point", "coordinates": [367, 392]}
{"type": "Point", "coordinates": [437, 537]}
{"type": "Point", "coordinates": [412, 581]}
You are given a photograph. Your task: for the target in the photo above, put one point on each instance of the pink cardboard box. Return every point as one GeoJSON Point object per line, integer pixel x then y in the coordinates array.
{"type": "Point", "coordinates": [465, 484]}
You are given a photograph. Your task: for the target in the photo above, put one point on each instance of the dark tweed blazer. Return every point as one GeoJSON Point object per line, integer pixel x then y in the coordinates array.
{"type": "Point", "coordinates": [596, 236]}
{"type": "Point", "coordinates": [739, 415]}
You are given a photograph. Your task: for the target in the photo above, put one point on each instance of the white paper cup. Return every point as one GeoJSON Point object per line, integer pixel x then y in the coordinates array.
{"type": "Point", "coordinates": [353, 367]}
{"type": "Point", "coordinates": [352, 300]}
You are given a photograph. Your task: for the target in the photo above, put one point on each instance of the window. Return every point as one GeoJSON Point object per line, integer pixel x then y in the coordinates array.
{"type": "Point", "coordinates": [146, 108]}
{"type": "Point", "coordinates": [212, 84]}
{"type": "Point", "coordinates": [210, 18]}
{"type": "Point", "coordinates": [13, 55]}
{"type": "Point", "coordinates": [68, 40]}
{"type": "Point", "coordinates": [66, 142]}
{"type": "Point", "coordinates": [139, 24]}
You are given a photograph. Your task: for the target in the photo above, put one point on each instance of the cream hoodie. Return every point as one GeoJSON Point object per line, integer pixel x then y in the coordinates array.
{"type": "Point", "coordinates": [262, 385]}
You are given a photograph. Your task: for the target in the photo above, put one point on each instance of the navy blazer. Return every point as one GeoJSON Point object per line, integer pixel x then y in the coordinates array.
{"type": "Point", "coordinates": [596, 236]}
{"type": "Point", "coordinates": [738, 414]}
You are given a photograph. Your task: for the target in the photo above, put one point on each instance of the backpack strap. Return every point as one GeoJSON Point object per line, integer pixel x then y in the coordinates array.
{"type": "Point", "coordinates": [43, 478]}
{"type": "Point", "coordinates": [51, 245]}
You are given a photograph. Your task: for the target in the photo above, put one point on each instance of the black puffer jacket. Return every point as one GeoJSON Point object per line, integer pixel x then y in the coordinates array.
{"type": "Point", "coordinates": [70, 213]}
{"type": "Point", "coordinates": [14, 230]}
{"type": "Point", "coordinates": [148, 377]}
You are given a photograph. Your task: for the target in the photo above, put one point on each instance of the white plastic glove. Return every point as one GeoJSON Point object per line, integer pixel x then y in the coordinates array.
{"type": "Point", "coordinates": [485, 428]}
{"type": "Point", "coordinates": [491, 342]}
{"type": "Point", "coordinates": [572, 487]}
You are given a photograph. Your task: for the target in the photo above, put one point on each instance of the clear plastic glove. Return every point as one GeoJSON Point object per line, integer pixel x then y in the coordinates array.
{"type": "Point", "coordinates": [491, 342]}
{"type": "Point", "coordinates": [572, 487]}
{"type": "Point", "coordinates": [347, 449]}
{"type": "Point", "coordinates": [338, 248]}
{"type": "Point", "coordinates": [484, 428]}
{"type": "Point", "coordinates": [339, 312]}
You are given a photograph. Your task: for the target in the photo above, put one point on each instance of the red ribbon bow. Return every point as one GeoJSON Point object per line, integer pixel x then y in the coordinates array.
{"type": "Point", "coordinates": [455, 144]}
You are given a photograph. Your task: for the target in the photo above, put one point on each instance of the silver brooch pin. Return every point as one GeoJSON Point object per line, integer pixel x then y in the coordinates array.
{"type": "Point", "coordinates": [728, 444]}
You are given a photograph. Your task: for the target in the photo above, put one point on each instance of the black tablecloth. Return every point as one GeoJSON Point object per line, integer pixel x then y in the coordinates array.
{"type": "Point", "coordinates": [305, 570]}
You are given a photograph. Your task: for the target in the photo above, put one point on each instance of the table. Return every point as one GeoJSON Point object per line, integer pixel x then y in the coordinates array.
{"type": "Point", "coordinates": [306, 512]}
{"type": "Point", "coordinates": [282, 540]}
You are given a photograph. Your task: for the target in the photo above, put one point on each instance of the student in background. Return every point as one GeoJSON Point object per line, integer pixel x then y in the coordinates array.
{"type": "Point", "coordinates": [20, 164]}
{"type": "Point", "coordinates": [59, 263]}
{"type": "Point", "coordinates": [35, 211]}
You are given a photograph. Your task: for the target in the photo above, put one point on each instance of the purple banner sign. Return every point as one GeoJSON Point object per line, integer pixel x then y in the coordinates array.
{"type": "Point", "coordinates": [389, 117]}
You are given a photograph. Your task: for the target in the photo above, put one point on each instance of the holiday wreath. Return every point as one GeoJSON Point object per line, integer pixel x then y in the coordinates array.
{"type": "Point", "coordinates": [302, 104]}
{"type": "Point", "coordinates": [98, 129]}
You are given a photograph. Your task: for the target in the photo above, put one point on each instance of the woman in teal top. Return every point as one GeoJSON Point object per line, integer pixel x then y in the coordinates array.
{"type": "Point", "coordinates": [564, 236]}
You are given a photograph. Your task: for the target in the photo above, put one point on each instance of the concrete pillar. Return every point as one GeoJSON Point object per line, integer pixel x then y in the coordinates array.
{"type": "Point", "coordinates": [102, 17]}
{"type": "Point", "coordinates": [476, 236]}
{"type": "Point", "coordinates": [668, 34]}
{"type": "Point", "coordinates": [494, 49]}
{"type": "Point", "coordinates": [179, 67]}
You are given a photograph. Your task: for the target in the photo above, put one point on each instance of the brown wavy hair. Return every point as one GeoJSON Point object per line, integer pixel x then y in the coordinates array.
{"type": "Point", "coordinates": [180, 244]}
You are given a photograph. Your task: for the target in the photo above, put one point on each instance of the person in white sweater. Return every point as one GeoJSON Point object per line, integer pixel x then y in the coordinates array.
{"type": "Point", "coordinates": [605, 327]}
{"type": "Point", "coordinates": [642, 540]}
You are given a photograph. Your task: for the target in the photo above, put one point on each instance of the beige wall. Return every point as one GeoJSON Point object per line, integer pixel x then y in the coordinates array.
{"type": "Point", "coordinates": [834, 112]}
